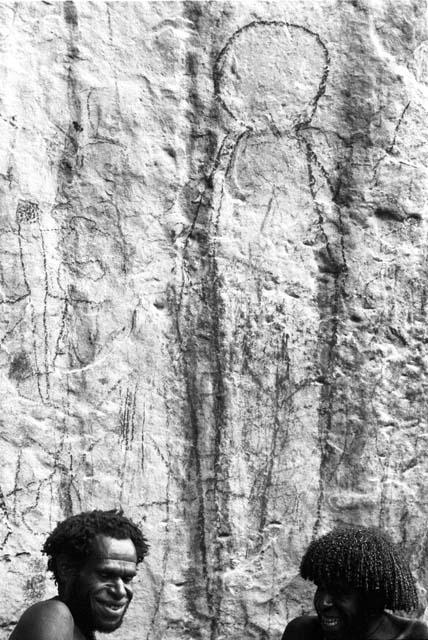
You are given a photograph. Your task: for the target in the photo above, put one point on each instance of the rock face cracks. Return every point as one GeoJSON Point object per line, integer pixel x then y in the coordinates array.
{"type": "Point", "coordinates": [213, 273]}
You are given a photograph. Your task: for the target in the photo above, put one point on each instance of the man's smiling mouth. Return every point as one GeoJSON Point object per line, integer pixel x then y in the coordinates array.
{"type": "Point", "coordinates": [112, 607]}
{"type": "Point", "coordinates": [330, 622]}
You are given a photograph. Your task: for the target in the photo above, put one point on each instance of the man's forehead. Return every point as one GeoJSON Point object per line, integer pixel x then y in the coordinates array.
{"type": "Point", "coordinates": [338, 586]}
{"type": "Point", "coordinates": [105, 549]}
{"type": "Point", "coordinates": [115, 566]}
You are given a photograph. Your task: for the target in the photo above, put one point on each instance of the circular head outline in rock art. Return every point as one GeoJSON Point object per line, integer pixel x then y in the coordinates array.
{"type": "Point", "coordinates": [248, 86]}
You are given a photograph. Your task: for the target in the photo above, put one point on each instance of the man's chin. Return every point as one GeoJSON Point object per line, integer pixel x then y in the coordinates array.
{"type": "Point", "coordinates": [340, 629]}
{"type": "Point", "coordinates": [104, 619]}
{"type": "Point", "coordinates": [103, 627]}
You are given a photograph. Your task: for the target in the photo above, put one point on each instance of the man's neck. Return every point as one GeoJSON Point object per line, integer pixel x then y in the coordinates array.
{"type": "Point", "coordinates": [374, 629]}
{"type": "Point", "coordinates": [80, 633]}
{"type": "Point", "coordinates": [83, 633]}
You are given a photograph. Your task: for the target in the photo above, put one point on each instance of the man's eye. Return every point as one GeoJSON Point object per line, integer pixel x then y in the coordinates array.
{"type": "Point", "coordinates": [104, 575]}
{"type": "Point", "coordinates": [128, 579]}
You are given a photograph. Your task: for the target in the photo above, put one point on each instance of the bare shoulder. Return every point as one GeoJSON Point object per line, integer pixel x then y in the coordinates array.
{"type": "Point", "coordinates": [302, 628]}
{"type": "Point", "coordinates": [47, 620]}
{"type": "Point", "coordinates": [415, 630]}
{"type": "Point", "coordinates": [409, 628]}
{"type": "Point", "coordinates": [421, 629]}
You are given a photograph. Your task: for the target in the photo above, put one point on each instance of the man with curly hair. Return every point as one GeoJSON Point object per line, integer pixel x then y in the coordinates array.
{"type": "Point", "coordinates": [93, 557]}
{"type": "Point", "coordinates": [359, 574]}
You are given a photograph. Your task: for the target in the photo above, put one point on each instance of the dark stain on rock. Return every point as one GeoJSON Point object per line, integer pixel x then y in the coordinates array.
{"type": "Point", "coordinates": [199, 312]}
{"type": "Point", "coordinates": [64, 492]}
{"type": "Point", "coordinates": [67, 170]}
{"type": "Point", "coordinates": [20, 368]}
{"type": "Point", "coordinates": [389, 214]}
{"type": "Point", "coordinates": [70, 13]}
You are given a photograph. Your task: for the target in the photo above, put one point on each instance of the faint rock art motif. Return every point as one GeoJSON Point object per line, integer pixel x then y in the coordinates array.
{"type": "Point", "coordinates": [127, 416]}
{"type": "Point", "coordinates": [5, 527]}
{"type": "Point", "coordinates": [99, 303]}
{"type": "Point", "coordinates": [35, 586]}
{"type": "Point", "coordinates": [390, 295]}
{"type": "Point", "coordinates": [45, 303]}
{"type": "Point", "coordinates": [421, 62]}
{"type": "Point", "coordinates": [41, 290]}
{"type": "Point", "coordinates": [397, 186]}
{"type": "Point", "coordinates": [131, 435]}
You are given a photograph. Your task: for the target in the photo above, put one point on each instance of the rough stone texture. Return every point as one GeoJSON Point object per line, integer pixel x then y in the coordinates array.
{"type": "Point", "coordinates": [213, 271]}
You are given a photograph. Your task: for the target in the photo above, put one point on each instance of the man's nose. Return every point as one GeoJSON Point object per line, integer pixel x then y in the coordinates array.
{"type": "Point", "coordinates": [118, 588]}
{"type": "Point", "coordinates": [327, 600]}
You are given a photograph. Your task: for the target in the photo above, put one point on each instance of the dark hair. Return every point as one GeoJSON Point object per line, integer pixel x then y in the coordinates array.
{"type": "Point", "coordinates": [366, 559]}
{"type": "Point", "coordinates": [74, 536]}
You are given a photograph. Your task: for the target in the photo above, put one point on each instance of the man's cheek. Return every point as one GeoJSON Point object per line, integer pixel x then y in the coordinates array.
{"type": "Point", "coordinates": [317, 605]}
{"type": "Point", "coordinates": [96, 585]}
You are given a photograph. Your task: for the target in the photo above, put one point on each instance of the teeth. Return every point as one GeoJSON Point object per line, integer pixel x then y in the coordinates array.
{"type": "Point", "coordinates": [331, 622]}
{"type": "Point", "coordinates": [113, 607]}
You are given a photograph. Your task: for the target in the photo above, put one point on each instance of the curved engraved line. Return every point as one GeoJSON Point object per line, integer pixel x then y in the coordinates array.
{"type": "Point", "coordinates": [219, 65]}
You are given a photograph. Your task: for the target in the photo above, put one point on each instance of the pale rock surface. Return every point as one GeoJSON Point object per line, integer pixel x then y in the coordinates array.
{"type": "Point", "coordinates": [213, 279]}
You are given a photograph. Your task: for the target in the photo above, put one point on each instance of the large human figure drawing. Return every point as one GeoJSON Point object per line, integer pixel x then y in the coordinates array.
{"type": "Point", "coordinates": [281, 278]}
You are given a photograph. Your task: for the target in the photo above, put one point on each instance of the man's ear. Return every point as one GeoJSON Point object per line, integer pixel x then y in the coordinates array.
{"type": "Point", "coordinates": [66, 569]}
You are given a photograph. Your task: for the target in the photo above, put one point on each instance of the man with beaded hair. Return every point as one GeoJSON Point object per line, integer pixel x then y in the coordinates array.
{"type": "Point", "coordinates": [359, 574]}
{"type": "Point", "coordinates": [94, 557]}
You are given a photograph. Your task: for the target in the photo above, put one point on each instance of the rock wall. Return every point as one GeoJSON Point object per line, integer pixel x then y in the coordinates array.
{"type": "Point", "coordinates": [213, 271]}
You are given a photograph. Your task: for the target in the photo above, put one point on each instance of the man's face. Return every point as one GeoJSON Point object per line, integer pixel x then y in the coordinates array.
{"type": "Point", "coordinates": [341, 611]}
{"type": "Point", "coordinates": [102, 590]}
